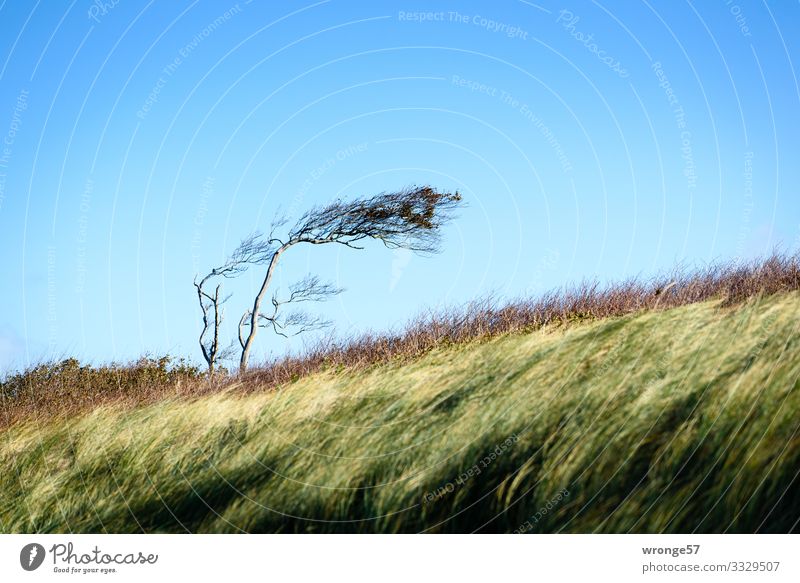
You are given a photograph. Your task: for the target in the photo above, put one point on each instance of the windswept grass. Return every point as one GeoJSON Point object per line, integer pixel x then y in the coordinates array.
{"type": "Point", "coordinates": [673, 420]}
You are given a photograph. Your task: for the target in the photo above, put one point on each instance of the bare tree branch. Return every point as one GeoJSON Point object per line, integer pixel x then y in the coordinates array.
{"type": "Point", "coordinates": [253, 250]}
{"type": "Point", "coordinates": [279, 221]}
{"type": "Point", "coordinates": [294, 323]}
{"type": "Point", "coordinates": [309, 289]}
{"type": "Point", "coordinates": [242, 324]}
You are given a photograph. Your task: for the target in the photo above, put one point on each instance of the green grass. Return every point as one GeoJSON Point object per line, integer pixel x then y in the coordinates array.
{"type": "Point", "coordinates": [675, 421]}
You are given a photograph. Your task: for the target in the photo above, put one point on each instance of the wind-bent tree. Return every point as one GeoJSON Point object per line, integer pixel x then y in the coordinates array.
{"type": "Point", "coordinates": [252, 250]}
{"type": "Point", "coordinates": [408, 219]}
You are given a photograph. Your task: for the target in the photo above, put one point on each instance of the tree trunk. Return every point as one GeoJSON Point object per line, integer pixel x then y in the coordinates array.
{"type": "Point", "coordinates": [257, 309]}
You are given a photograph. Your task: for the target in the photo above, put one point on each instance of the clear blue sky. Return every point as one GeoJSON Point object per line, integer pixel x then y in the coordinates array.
{"type": "Point", "coordinates": [141, 141]}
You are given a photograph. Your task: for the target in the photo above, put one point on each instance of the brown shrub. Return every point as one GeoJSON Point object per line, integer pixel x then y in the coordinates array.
{"type": "Point", "coordinates": [66, 387]}
{"type": "Point", "coordinates": [730, 282]}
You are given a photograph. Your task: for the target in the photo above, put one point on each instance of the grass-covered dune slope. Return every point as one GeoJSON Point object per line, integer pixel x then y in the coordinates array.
{"type": "Point", "coordinates": [663, 421]}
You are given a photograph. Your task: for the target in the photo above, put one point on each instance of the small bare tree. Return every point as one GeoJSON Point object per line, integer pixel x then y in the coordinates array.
{"type": "Point", "coordinates": [409, 219]}
{"type": "Point", "coordinates": [211, 305]}
{"type": "Point", "coordinates": [252, 250]}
